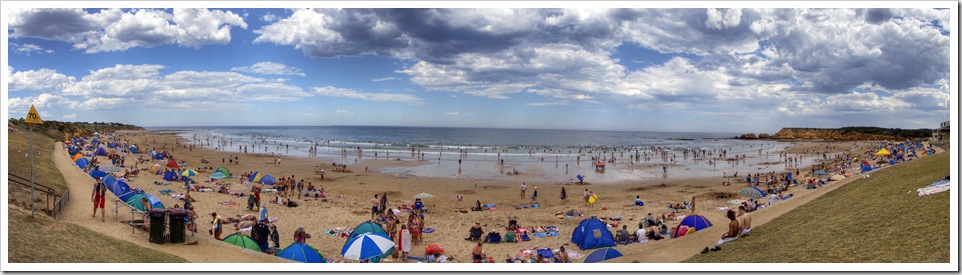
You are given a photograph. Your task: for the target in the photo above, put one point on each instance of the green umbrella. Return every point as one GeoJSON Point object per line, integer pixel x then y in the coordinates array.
{"type": "Point", "coordinates": [244, 241]}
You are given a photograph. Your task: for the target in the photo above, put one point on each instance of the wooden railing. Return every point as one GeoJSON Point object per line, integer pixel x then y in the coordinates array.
{"type": "Point", "coordinates": [51, 207]}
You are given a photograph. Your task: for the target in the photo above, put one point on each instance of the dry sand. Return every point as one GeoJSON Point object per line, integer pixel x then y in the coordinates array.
{"type": "Point", "coordinates": [451, 225]}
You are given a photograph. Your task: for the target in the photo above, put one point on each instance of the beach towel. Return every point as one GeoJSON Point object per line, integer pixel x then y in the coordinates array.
{"type": "Point", "coordinates": [177, 196]}
{"type": "Point", "coordinates": [536, 205]}
{"type": "Point", "coordinates": [229, 203]}
{"type": "Point", "coordinates": [724, 208]}
{"type": "Point", "coordinates": [540, 234]}
{"type": "Point", "coordinates": [554, 234]}
{"type": "Point", "coordinates": [428, 230]}
{"type": "Point", "coordinates": [546, 253]}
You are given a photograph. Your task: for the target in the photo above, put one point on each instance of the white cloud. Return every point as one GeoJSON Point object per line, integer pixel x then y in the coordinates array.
{"type": "Point", "coordinates": [344, 113]}
{"type": "Point", "coordinates": [551, 103]}
{"type": "Point", "coordinates": [117, 30]}
{"type": "Point", "coordinates": [385, 79]}
{"type": "Point", "coordinates": [457, 114]}
{"type": "Point", "coordinates": [70, 116]}
{"type": "Point", "coordinates": [381, 97]}
{"type": "Point", "coordinates": [269, 18]}
{"type": "Point", "coordinates": [38, 80]}
{"type": "Point", "coordinates": [28, 49]}
{"type": "Point", "coordinates": [270, 68]}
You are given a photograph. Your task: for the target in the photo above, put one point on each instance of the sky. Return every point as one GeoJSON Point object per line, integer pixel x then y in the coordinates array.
{"type": "Point", "coordinates": [730, 70]}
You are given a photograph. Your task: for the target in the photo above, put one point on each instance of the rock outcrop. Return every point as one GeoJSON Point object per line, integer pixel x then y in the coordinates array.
{"type": "Point", "coordinates": [748, 136]}
{"type": "Point", "coordinates": [829, 134]}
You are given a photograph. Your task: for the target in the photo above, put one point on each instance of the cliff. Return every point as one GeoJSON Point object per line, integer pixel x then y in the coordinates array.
{"type": "Point", "coordinates": [851, 133]}
{"type": "Point", "coordinates": [64, 130]}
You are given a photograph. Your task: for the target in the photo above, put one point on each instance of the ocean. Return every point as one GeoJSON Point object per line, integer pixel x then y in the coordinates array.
{"type": "Point", "coordinates": [549, 155]}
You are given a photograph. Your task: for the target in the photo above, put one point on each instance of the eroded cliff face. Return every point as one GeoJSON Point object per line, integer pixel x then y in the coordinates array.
{"type": "Point", "coordinates": [828, 134]}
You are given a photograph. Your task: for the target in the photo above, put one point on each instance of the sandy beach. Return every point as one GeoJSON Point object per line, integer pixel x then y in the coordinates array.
{"type": "Point", "coordinates": [349, 193]}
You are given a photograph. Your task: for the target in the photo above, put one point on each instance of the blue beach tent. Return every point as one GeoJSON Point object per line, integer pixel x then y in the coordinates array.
{"type": "Point", "coordinates": [133, 149]}
{"type": "Point", "coordinates": [302, 253]}
{"type": "Point", "coordinates": [692, 221]}
{"type": "Point", "coordinates": [74, 150]}
{"type": "Point", "coordinates": [170, 175]}
{"type": "Point", "coordinates": [119, 188]}
{"type": "Point", "coordinates": [592, 233]}
{"type": "Point", "coordinates": [82, 163]}
{"type": "Point", "coordinates": [125, 196]}
{"type": "Point", "coordinates": [158, 156]}
{"type": "Point", "coordinates": [100, 152]}
{"type": "Point", "coordinates": [268, 179]}
{"type": "Point", "coordinates": [97, 174]}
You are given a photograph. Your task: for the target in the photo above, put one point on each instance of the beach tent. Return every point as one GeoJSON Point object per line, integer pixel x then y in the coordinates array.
{"type": "Point", "coordinates": [125, 196]}
{"type": "Point", "coordinates": [74, 150]}
{"type": "Point", "coordinates": [603, 254]}
{"type": "Point", "coordinates": [118, 187]}
{"type": "Point", "coordinates": [218, 175]}
{"type": "Point", "coordinates": [172, 164]}
{"type": "Point", "coordinates": [77, 156]}
{"type": "Point", "coordinates": [154, 169]}
{"type": "Point", "coordinates": [882, 152]}
{"type": "Point", "coordinates": [866, 168]}
{"type": "Point", "coordinates": [302, 253]}
{"type": "Point", "coordinates": [82, 163]}
{"type": "Point", "coordinates": [100, 152]}
{"type": "Point", "coordinates": [268, 179]}
{"type": "Point", "coordinates": [820, 172]}
{"type": "Point", "coordinates": [109, 180]}
{"type": "Point", "coordinates": [223, 170]}
{"type": "Point", "coordinates": [170, 175]}
{"type": "Point", "coordinates": [255, 177]}
{"type": "Point", "coordinates": [752, 192]}
{"type": "Point", "coordinates": [158, 156]}
{"type": "Point", "coordinates": [242, 240]}
{"type": "Point", "coordinates": [97, 174]}
{"type": "Point", "coordinates": [133, 149]}
{"type": "Point", "coordinates": [592, 233]}
{"type": "Point", "coordinates": [369, 227]}
{"type": "Point", "coordinates": [697, 222]}
{"type": "Point", "coordinates": [135, 201]}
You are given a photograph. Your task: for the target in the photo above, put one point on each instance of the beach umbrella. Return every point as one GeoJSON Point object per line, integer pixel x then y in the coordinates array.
{"type": "Point", "coordinates": [189, 173]}
{"type": "Point", "coordinates": [242, 240]}
{"type": "Point", "coordinates": [820, 172]}
{"type": "Point", "coordinates": [302, 253]}
{"type": "Point", "coordinates": [109, 168]}
{"type": "Point", "coordinates": [423, 196]}
{"type": "Point", "coordinates": [882, 152]}
{"type": "Point", "coordinates": [255, 177]}
{"type": "Point", "coordinates": [751, 192]}
{"type": "Point", "coordinates": [366, 246]}
{"type": "Point", "coordinates": [603, 254]}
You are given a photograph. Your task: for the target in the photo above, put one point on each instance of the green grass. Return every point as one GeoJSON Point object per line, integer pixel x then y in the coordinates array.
{"type": "Point", "coordinates": [45, 170]}
{"type": "Point", "coordinates": [45, 240]}
{"type": "Point", "coordinates": [880, 219]}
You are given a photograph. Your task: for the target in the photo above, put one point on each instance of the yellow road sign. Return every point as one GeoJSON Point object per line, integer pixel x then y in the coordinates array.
{"type": "Point", "coordinates": [33, 117]}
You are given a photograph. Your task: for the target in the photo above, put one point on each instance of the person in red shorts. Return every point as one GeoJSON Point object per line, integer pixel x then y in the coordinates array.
{"type": "Point", "coordinates": [99, 198]}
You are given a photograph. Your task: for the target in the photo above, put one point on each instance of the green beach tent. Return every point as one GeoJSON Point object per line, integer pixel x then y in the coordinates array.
{"type": "Point", "coordinates": [223, 170]}
{"type": "Point", "coordinates": [244, 241]}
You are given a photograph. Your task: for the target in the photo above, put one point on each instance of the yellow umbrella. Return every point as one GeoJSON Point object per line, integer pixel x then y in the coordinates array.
{"type": "Point", "coordinates": [883, 152]}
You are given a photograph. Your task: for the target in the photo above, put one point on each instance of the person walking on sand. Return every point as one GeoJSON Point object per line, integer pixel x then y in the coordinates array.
{"type": "Point", "coordinates": [217, 226]}
{"type": "Point", "coordinates": [586, 197]}
{"type": "Point", "coordinates": [534, 197]}
{"type": "Point", "coordinates": [564, 195]}
{"type": "Point", "coordinates": [98, 196]}
{"type": "Point", "coordinates": [693, 204]}
{"type": "Point", "coordinates": [523, 189]}
{"type": "Point", "coordinates": [375, 203]}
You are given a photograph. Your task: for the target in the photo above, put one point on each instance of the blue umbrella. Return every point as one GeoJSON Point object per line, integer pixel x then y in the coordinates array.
{"type": "Point", "coordinates": [301, 253]}
{"type": "Point", "coordinates": [366, 246]}
{"type": "Point", "coordinates": [603, 254]}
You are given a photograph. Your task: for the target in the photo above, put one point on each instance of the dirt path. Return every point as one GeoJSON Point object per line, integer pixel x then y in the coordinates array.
{"type": "Point", "coordinates": [80, 207]}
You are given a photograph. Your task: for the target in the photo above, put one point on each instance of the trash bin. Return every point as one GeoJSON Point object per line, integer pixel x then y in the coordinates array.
{"type": "Point", "coordinates": [177, 221]}
{"type": "Point", "coordinates": [158, 217]}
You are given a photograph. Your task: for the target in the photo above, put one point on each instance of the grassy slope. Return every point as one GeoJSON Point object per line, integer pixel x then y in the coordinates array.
{"type": "Point", "coordinates": [880, 219]}
{"type": "Point", "coordinates": [48, 240]}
